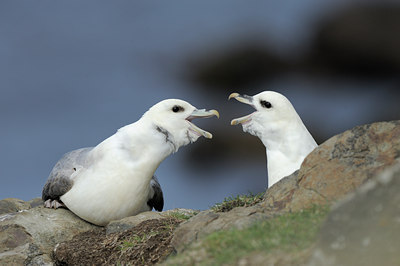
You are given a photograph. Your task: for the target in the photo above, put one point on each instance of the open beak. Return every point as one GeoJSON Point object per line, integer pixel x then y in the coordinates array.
{"type": "Point", "coordinates": [244, 99]}
{"type": "Point", "coordinates": [203, 113]}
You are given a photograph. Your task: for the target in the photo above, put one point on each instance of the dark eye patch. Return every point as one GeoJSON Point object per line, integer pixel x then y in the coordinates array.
{"type": "Point", "coordinates": [177, 108]}
{"type": "Point", "coordinates": [265, 104]}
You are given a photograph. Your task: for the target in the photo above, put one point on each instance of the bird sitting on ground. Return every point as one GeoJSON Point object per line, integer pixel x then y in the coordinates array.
{"type": "Point", "coordinates": [116, 179]}
{"type": "Point", "coordinates": [277, 124]}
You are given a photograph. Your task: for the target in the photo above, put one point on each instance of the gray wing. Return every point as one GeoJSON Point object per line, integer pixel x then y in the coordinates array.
{"type": "Point", "coordinates": [59, 181]}
{"type": "Point", "coordinates": [157, 199]}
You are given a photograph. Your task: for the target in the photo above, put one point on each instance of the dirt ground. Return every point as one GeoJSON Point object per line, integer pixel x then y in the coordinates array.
{"type": "Point", "coordinates": [145, 244]}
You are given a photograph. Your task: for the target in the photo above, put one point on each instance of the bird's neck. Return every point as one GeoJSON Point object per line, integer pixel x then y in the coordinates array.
{"type": "Point", "coordinates": [286, 150]}
{"type": "Point", "coordinates": [139, 142]}
{"type": "Point", "coordinates": [154, 141]}
{"type": "Point", "coordinates": [291, 139]}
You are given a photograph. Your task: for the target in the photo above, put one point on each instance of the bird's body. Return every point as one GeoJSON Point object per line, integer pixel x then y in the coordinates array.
{"type": "Point", "coordinates": [280, 129]}
{"type": "Point", "coordinates": [115, 179]}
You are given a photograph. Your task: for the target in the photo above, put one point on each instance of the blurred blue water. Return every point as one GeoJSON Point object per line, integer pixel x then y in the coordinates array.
{"type": "Point", "coordinates": [72, 73]}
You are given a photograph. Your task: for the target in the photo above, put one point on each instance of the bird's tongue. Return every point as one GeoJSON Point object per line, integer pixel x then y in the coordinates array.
{"type": "Point", "coordinates": [198, 131]}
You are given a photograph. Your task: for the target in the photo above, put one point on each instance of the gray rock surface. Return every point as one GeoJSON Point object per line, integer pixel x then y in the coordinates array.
{"type": "Point", "coordinates": [364, 229]}
{"type": "Point", "coordinates": [15, 205]}
{"type": "Point", "coordinates": [29, 236]}
{"type": "Point", "coordinates": [329, 173]}
{"type": "Point", "coordinates": [337, 167]}
{"type": "Point", "coordinates": [207, 222]}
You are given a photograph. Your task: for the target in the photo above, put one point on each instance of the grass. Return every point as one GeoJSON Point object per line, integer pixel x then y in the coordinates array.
{"type": "Point", "coordinates": [181, 216]}
{"type": "Point", "coordinates": [229, 203]}
{"type": "Point", "coordinates": [136, 239]}
{"type": "Point", "coordinates": [144, 244]}
{"type": "Point", "coordinates": [141, 238]}
{"type": "Point", "coordinates": [290, 232]}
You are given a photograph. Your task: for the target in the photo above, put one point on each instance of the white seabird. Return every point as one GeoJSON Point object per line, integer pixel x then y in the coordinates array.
{"type": "Point", "coordinates": [116, 179]}
{"type": "Point", "coordinates": [277, 124]}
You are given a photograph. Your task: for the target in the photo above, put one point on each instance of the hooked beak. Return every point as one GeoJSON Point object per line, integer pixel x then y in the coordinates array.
{"type": "Point", "coordinates": [244, 99]}
{"type": "Point", "coordinates": [203, 113]}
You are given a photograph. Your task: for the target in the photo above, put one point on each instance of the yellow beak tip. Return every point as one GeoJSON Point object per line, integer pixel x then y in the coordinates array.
{"type": "Point", "coordinates": [233, 95]}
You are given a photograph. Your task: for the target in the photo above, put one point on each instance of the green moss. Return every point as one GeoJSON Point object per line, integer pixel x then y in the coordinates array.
{"type": "Point", "coordinates": [289, 232]}
{"type": "Point", "coordinates": [239, 201]}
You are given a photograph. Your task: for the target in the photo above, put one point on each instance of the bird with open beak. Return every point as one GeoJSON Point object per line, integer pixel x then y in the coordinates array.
{"type": "Point", "coordinates": [115, 179]}
{"type": "Point", "coordinates": [276, 123]}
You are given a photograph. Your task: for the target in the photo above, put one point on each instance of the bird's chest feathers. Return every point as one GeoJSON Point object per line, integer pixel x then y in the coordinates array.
{"type": "Point", "coordinates": [281, 158]}
{"type": "Point", "coordinates": [280, 165]}
{"type": "Point", "coordinates": [114, 186]}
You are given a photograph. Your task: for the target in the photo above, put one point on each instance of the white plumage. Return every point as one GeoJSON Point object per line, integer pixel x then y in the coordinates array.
{"type": "Point", "coordinates": [113, 180]}
{"type": "Point", "coordinates": [280, 129]}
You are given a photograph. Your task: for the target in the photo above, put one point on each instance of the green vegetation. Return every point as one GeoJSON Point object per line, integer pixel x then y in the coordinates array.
{"type": "Point", "coordinates": [136, 239]}
{"type": "Point", "coordinates": [239, 201]}
{"type": "Point", "coordinates": [167, 227]}
{"type": "Point", "coordinates": [291, 232]}
{"type": "Point", "coordinates": [144, 244]}
{"type": "Point", "coordinates": [181, 216]}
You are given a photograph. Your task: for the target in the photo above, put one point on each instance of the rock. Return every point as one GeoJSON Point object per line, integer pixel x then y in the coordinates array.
{"type": "Point", "coordinates": [275, 258]}
{"type": "Point", "coordinates": [188, 231]}
{"type": "Point", "coordinates": [277, 197]}
{"type": "Point", "coordinates": [36, 202]}
{"type": "Point", "coordinates": [29, 236]}
{"type": "Point", "coordinates": [364, 229]}
{"type": "Point", "coordinates": [11, 205]}
{"type": "Point", "coordinates": [14, 244]}
{"type": "Point", "coordinates": [337, 167]}
{"type": "Point", "coordinates": [207, 222]}
{"type": "Point", "coordinates": [330, 172]}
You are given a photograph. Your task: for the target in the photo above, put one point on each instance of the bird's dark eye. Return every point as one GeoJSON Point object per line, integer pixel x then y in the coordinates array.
{"type": "Point", "coordinates": [265, 104]}
{"type": "Point", "coordinates": [177, 108]}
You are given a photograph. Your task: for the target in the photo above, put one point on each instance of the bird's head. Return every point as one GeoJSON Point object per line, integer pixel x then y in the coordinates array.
{"type": "Point", "coordinates": [173, 118]}
{"type": "Point", "coordinates": [273, 110]}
